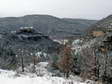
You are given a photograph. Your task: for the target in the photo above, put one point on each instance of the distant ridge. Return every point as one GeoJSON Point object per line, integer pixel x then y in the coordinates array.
{"type": "Point", "coordinates": [47, 24]}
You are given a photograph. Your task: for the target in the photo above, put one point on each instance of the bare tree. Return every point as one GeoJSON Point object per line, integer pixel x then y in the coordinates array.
{"type": "Point", "coordinates": [65, 63]}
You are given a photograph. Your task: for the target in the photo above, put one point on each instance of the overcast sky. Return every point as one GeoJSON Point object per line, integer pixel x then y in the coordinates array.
{"type": "Point", "coordinates": [90, 9]}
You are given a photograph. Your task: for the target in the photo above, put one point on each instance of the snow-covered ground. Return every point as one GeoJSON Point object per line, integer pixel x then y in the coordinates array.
{"type": "Point", "coordinates": [11, 77]}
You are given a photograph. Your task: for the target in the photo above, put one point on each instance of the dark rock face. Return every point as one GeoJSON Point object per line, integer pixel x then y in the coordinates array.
{"type": "Point", "coordinates": [104, 57]}
{"type": "Point", "coordinates": [25, 44]}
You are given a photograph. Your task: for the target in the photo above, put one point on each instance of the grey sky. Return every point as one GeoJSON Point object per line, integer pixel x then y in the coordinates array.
{"type": "Point", "coordinates": [91, 9]}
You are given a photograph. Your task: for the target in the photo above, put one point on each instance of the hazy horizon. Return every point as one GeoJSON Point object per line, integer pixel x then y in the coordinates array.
{"type": "Point", "coordinates": [86, 9]}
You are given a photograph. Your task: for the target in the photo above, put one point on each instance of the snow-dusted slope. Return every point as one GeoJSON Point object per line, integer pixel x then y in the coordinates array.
{"type": "Point", "coordinates": [13, 77]}
{"type": "Point", "coordinates": [9, 77]}
{"type": "Point", "coordinates": [45, 77]}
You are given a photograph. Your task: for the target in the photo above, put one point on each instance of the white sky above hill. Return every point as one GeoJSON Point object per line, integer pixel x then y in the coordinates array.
{"type": "Point", "coordinates": [89, 9]}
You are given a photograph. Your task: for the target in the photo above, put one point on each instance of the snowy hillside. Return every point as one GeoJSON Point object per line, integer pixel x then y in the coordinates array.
{"type": "Point", "coordinates": [9, 77]}
{"type": "Point", "coordinates": [12, 77]}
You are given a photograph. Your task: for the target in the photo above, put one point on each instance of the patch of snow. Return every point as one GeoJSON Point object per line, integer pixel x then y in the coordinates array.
{"type": "Point", "coordinates": [8, 77]}
{"type": "Point", "coordinates": [42, 76]}
{"type": "Point", "coordinates": [39, 54]}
